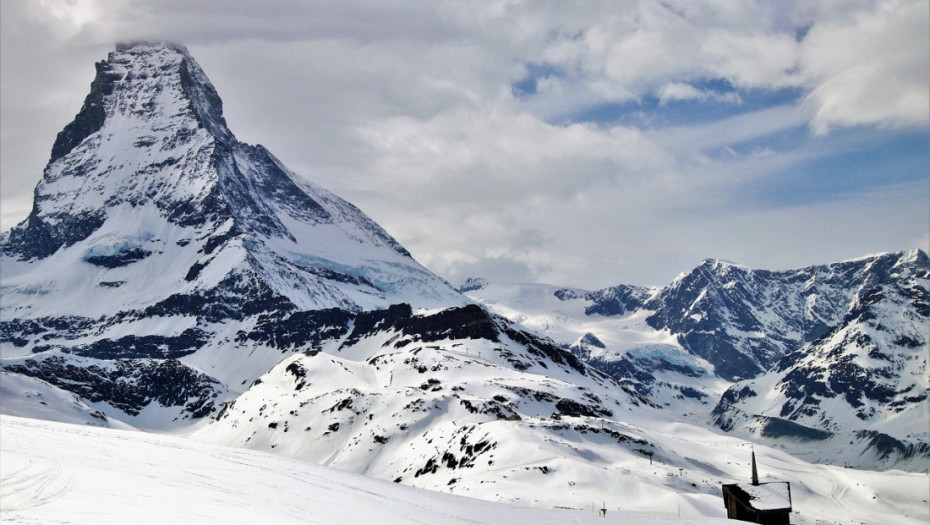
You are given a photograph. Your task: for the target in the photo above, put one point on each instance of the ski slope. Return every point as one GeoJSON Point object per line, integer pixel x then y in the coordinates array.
{"type": "Point", "coordinates": [60, 473]}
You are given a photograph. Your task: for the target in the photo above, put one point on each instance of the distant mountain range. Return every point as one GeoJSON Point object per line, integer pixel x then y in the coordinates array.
{"type": "Point", "coordinates": [829, 362]}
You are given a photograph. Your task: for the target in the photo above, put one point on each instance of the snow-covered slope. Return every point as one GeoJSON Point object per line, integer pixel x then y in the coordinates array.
{"type": "Point", "coordinates": [57, 473]}
{"type": "Point", "coordinates": [30, 397]}
{"type": "Point", "coordinates": [608, 329]}
{"type": "Point", "coordinates": [447, 401]}
{"type": "Point", "coordinates": [53, 473]}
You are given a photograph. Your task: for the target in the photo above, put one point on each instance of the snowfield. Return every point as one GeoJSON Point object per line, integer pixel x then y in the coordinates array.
{"type": "Point", "coordinates": [61, 473]}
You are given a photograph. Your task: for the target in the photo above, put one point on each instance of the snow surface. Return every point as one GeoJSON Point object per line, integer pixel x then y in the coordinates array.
{"type": "Point", "coordinates": [768, 496]}
{"type": "Point", "coordinates": [29, 397]}
{"type": "Point", "coordinates": [60, 473]}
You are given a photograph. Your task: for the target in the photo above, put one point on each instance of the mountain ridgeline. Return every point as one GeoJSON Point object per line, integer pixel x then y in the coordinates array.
{"type": "Point", "coordinates": [828, 362]}
{"type": "Point", "coordinates": [744, 321]}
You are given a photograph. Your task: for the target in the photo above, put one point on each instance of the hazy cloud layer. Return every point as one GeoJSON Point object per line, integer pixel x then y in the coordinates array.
{"type": "Point", "coordinates": [540, 141]}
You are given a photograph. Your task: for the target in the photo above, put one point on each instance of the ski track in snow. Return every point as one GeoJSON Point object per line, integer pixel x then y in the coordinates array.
{"type": "Point", "coordinates": [32, 484]}
{"type": "Point", "coordinates": [837, 494]}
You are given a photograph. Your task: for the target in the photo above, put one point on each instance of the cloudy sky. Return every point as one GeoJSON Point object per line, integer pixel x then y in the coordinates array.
{"type": "Point", "coordinates": [574, 143]}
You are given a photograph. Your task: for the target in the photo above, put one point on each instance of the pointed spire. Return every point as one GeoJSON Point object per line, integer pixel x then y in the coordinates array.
{"type": "Point", "coordinates": [755, 472]}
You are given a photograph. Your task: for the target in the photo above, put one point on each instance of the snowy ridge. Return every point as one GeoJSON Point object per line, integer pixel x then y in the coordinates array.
{"type": "Point", "coordinates": [861, 389]}
{"type": "Point", "coordinates": [163, 189]}
{"type": "Point", "coordinates": [425, 401]}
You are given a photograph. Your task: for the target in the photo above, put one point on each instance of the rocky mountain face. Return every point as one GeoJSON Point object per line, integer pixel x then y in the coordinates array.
{"type": "Point", "coordinates": [743, 321]}
{"type": "Point", "coordinates": [862, 385]}
{"type": "Point", "coordinates": [844, 344]}
{"type": "Point", "coordinates": [148, 177]}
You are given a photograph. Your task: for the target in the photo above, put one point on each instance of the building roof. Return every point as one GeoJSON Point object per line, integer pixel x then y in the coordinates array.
{"type": "Point", "coordinates": [768, 496]}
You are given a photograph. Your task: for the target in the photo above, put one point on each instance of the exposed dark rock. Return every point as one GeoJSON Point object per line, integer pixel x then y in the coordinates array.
{"type": "Point", "coordinates": [36, 239]}
{"type": "Point", "coordinates": [570, 407]}
{"type": "Point", "coordinates": [235, 298]}
{"type": "Point", "coordinates": [472, 284]}
{"type": "Point", "coordinates": [128, 384]}
{"type": "Point", "coordinates": [92, 115]}
{"type": "Point", "coordinates": [545, 350]}
{"type": "Point", "coordinates": [291, 330]}
{"type": "Point", "coordinates": [205, 102]}
{"type": "Point", "coordinates": [123, 258]}
{"type": "Point", "coordinates": [369, 323]}
{"type": "Point", "coordinates": [616, 301]}
{"type": "Point", "coordinates": [692, 393]}
{"type": "Point", "coordinates": [47, 327]}
{"type": "Point", "coordinates": [885, 446]}
{"type": "Point", "coordinates": [465, 322]}
{"type": "Point", "coordinates": [151, 346]}
{"type": "Point", "coordinates": [774, 427]}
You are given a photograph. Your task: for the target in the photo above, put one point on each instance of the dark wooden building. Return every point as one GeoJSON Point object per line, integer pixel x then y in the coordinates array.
{"type": "Point", "coordinates": [766, 503]}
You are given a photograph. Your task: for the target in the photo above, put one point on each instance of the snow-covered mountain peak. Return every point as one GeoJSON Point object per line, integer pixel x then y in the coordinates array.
{"type": "Point", "coordinates": [144, 81]}
{"type": "Point", "coordinates": [844, 343]}
{"type": "Point", "coordinates": [473, 283]}
{"type": "Point", "coordinates": [149, 175]}
{"type": "Point", "coordinates": [722, 264]}
{"type": "Point", "coordinates": [145, 136]}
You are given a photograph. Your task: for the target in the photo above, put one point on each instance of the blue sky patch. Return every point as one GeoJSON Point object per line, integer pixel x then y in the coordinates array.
{"type": "Point", "coordinates": [845, 164]}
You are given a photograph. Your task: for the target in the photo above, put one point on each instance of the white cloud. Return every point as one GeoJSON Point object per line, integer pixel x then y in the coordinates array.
{"type": "Point", "coordinates": [494, 156]}
{"type": "Point", "coordinates": [697, 139]}
{"type": "Point", "coordinates": [678, 91]}
{"type": "Point", "coordinates": [870, 68]}
{"type": "Point", "coordinates": [638, 50]}
{"type": "Point", "coordinates": [859, 63]}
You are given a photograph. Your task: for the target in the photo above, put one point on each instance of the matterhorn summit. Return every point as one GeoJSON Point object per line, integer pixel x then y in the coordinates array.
{"type": "Point", "coordinates": [148, 194]}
